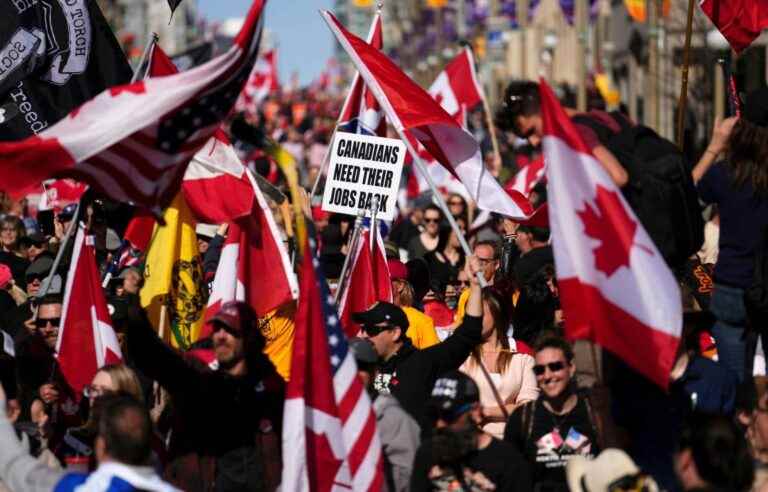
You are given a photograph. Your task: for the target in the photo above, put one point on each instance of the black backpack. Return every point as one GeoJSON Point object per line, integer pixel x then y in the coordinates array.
{"type": "Point", "coordinates": [756, 295]}
{"type": "Point", "coordinates": [660, 188]}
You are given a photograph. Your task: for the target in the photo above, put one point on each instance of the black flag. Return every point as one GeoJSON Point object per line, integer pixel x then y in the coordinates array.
{"type": "Point", "coordinates": [197, 55]}
{"type": "Point", "coordinates": [54, 56]}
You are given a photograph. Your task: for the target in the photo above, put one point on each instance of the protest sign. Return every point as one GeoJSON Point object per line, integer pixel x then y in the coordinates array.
{"type": "Point", "coordinates": [363, 168]}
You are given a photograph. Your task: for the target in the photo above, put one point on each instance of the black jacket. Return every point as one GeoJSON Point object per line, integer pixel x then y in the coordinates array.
{"type": "Point", "coordinates": [222, 415]}
{"type": "Point", "coordinates": [410, 374]}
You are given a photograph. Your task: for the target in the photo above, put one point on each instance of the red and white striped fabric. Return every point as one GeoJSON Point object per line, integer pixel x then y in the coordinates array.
{"type": "Point", "coordinates": [409, 108]}
{"type": "Point", "coordinates": [615, 287]}
{"type": "Point", "coordinates": [254, 265]}
{"type": "Point", "coordinates": [261, 83]}
{"type": "Point", "coordinates": [528, 177]}
{"type": "Point", "coordinates": [133, 142]}
{"type": "Point", "coordinates": [215, 185]}
{"type": "Point", "coordinates": [368, 282]}
{"type": "Point", "coordinates": [86, 340]}
{"type": "Point", "coordinates": [330, 441]}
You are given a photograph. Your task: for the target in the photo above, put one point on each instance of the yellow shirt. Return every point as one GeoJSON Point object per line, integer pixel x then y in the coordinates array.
{"type": "Point", "coordinates": [461, 308]}
{"type": "Point", "coordinates": [278, 332]}
{"type": "Point", "coordinates": [421, 328]}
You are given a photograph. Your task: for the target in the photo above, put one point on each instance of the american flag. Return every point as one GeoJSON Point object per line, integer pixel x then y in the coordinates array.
{"type": "Point", "coordinates": [361, 112]}
{"type": "Point", "coordinates": [329, 430]}
{"type": "Point", "coordinates": [133, 142]}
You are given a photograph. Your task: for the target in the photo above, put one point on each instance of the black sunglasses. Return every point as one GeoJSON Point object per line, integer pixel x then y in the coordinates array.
{"type": "Point", "coordinates": [539, 369]}
{"type": "Point", "coordinates": [43, 322]}
{"type": "Point", "coordinates": [431, 220]}
{"type": "Point", "coordinates": [35, 276]}
{"type": "Point", "coordinates": [373, 330]}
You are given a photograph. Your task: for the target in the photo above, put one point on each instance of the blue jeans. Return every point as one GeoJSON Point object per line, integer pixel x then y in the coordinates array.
{"type": "Point", "coordinates": [727, 305]}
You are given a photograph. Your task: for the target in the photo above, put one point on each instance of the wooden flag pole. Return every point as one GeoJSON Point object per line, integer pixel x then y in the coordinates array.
{"type": "Point", "coordinates": [492, 131]}
{"type": "Point", "coordinates": [682, 102]}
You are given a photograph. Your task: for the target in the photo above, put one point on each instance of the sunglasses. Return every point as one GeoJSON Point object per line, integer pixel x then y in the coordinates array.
{"type": "Point", "coordinates": [431, 221]}
{"type": "Point", "coordinates": [539, 369]}
{"type": "Point", "coordinates": [218, 325]}
{"type": "Point", "coordinates": [33, 277]}
{"type": "Point", "coordinates": [455, 203]}
{"type": "Point", "coordinates": [485, 261]}
{"type": "Point", "coordinates": [43, 322]}
{"type": "Point", "coordinates": [373, 330]}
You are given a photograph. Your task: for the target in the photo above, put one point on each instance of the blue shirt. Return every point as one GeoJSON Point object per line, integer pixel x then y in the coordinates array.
{"type": "Point", "coordinates": [743, 216]}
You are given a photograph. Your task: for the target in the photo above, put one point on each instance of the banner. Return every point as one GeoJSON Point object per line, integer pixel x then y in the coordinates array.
{"type": "Point", "coordinates": [363, 169]}
{"type": "Point", "coordinates": [54, 55]}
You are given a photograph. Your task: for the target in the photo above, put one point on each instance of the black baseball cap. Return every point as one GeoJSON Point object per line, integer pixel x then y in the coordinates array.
{"type": "Point", "coordinates": [382, 312]}
{"type": "Point", "coordinates": [36, 238]}
{"type": "Point", "coordinates": [453, 395]}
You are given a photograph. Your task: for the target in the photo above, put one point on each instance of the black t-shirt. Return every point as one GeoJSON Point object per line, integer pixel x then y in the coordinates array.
{"type": "Point", "coordinates": [552, 441]}
{"type": "Point", "coordinates": [500, 462]}
{"type": "Point", "coordinates": [530, 263]}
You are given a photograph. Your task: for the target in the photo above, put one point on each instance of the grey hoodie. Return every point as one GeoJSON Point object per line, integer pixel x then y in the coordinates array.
{"type": "Point", "coordinates": [399, 434]}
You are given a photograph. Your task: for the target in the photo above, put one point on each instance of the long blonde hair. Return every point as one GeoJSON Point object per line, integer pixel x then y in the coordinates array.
{"type": "Point", "coordinates": [125, 380]}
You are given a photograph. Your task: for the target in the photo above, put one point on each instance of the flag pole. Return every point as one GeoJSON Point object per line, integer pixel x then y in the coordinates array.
{"type": "Point", "coordinates": [440, 200]}
{"type": "Point", "coordinates": [145, 57]}
{"type": "Point", "coordinates": [487, 110]}
{"type": "Point", "coordinates": [72, 226]}
{"type": "Point", "coordinates": [354, 240]}
{"type": "Point", "coordinates": [682, 102]}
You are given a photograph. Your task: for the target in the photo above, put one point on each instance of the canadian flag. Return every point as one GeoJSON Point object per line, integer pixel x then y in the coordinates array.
{"type": "Point", "coordinates": [456, 88]}
{"type": "Point", "coordinates": [528, 177]}
{"type": "Point", "coordinates": [615, 287]}
{"type": "Point", "coordinates": [361, 112]}
{"type": "Point", "coordinates": [411, 109]}
{"type": "Point", "coordinates": [254, 265]}
{"type": "Point", "coordinates": [368, 282]}
{"type": "Point", "coordinates": [262, 81]}
{"type": "Point", "coordinates": [86, 340]}
{"type": "Point", "coordinates": [58, 193]}
{"type": "Point", "coordinates": [739, 21]}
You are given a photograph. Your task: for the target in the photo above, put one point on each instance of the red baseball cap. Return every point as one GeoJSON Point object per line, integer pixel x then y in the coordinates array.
{"type": "Point", "coordinates": [397, 270]}
{"type": "Point", "coordinates": [238, 316]}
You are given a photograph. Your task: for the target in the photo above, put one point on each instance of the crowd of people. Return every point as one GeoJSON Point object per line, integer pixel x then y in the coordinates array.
{"type": "Point", "coordinates": [474, 387]}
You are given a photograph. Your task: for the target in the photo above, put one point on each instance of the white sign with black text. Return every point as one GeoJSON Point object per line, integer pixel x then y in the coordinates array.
{"type": "Point", "coordinates": [362, 169]}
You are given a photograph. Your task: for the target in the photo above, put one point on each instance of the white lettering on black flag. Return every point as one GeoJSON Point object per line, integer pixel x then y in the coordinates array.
{"type": "Point", "coordinates": [363, 169]}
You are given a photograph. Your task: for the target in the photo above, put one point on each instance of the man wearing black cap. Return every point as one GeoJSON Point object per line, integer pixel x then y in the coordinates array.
{"type": "Point", "coordinates": [228, 415]}
{"type": "Point", "coordinates": [459, 450]}
{"type": "Point", "coordinates": [35, 245]}
{"type": "Point", "coordinates": [409, 373]}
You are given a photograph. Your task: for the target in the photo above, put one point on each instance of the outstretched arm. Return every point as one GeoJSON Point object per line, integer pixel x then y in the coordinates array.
{"type": "Point", "coordinates": [19, 470]}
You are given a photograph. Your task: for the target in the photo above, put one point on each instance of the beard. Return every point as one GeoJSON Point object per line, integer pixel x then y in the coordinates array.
{"type": "Point", "coordinates": [451, 446]}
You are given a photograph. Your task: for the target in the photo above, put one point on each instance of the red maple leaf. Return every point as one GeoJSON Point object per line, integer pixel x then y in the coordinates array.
{"type": "Point", "coordinates": [610, 224]}
{"type": "Point", "coordinates": [322, 464]}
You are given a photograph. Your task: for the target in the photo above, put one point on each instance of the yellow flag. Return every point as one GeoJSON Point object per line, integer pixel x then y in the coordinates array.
{"type": "Point", "coordinates": [174, 292]}
{"type": "Point", "coordinates": [288, 165]}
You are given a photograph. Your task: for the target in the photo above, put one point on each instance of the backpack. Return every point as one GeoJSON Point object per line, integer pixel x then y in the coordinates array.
{"type": "Point", "coordinates": [756, 295]}
{"type": "Point", "coordinates": [660, 188]}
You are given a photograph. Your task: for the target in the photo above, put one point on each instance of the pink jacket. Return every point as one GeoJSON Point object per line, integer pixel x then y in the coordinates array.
{"type": "Point", "coordinates": [516, 385]}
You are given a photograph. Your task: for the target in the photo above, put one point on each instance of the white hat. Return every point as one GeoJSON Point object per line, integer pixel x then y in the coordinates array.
{"type": "Point", "coordinates": [206, 230]}
{"type": "Point", "coordinates": [597, 475]}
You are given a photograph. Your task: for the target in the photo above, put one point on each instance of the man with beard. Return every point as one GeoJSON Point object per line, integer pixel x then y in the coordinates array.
{"type": "Point", "coordinates": [225, 419]}
{"type": "Point", "coordinates": [398, 432]}
{"type": "Point", "coordinates": [459, 452]}
{"type": "Point", "coordinates": [559, 425]}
